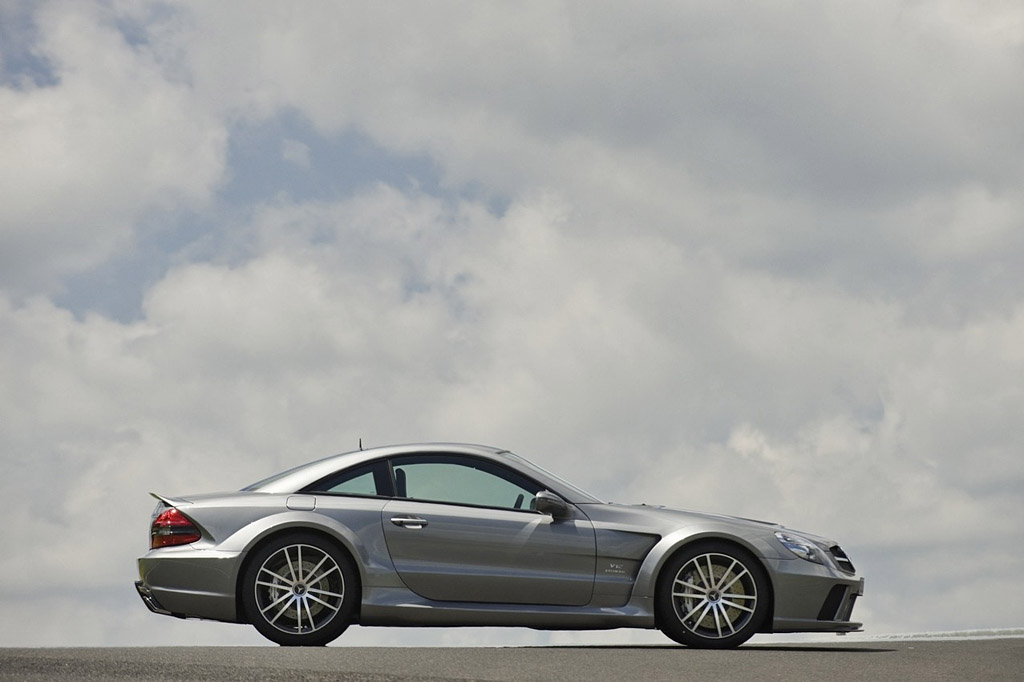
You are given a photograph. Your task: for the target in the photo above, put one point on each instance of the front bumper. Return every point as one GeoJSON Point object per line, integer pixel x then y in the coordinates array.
{"type": "Point", "coordinates": [810, 597]}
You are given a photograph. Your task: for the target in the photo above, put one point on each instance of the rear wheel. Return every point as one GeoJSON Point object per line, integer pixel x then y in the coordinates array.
{"type": "Point", "coordinates": [300, 590]}
{"type": "Point", "coordinates": [712, 596]}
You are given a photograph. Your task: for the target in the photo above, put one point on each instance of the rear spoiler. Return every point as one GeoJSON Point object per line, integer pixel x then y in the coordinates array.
{"type": "Point", "coordinates": [170, 501]}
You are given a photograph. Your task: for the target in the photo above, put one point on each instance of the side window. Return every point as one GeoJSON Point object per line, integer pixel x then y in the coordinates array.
{"type": "Point", "coordinates": [462, 480]}
{"type": "Point", "coordinates": [367, 479]}
{"type": "Point", "coordinates": [357, 485]}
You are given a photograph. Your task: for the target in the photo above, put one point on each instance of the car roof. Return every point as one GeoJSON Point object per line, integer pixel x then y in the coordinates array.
{"type": "Point", "coordinates": [298, 477]}
{"type": "Point", "coordinates": [292, 479]}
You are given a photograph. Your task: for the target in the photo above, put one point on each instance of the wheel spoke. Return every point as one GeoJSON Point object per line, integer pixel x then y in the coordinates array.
{"type": "Point", "coordinates": [685, 583]}
{"type": "Point", "coordinates": [277, 601]}
{"type": "Point", "coordinates": [703, 615]}
{"type": "Point", "coordinates": [706, 580]}
{"type": "Point", "coordinates": [718, 622]}
{"type": "Point", "coordinates": [309, 615]}
{"type": "Point", "coordinates": [276, 586]}
{"type": "Point", "coordinates": [695, 609]}
{"type": "Point", "coordinates": [733, 581]}
{"type": "Point", "coordinates": [332, 607]}
{"type": "Point", "coordinates": [291, 568]}
{"type": "Point", "coordinates": [313, 590]}
{"type": "Point", "coordinates": [725, 615]}
{"type": "Point", "coordinates": [316, 568]}
{"type": "Point", "coordinates": [283, 609]}
{"type": "Point", "coordinates": [690, 595]}
{"type": "Point", "coordinates": [734, 605]}
{"type": "Point", "coordinates": [320, 578]}
{"type": "Point", "coordinates": [280, 577]}
{"type": "Point", "coordinates": [695, 577]}
{"type": "Point", "coordinates": [725, 574]}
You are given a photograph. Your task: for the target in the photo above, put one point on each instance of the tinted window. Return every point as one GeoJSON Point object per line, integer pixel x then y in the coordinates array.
{"type": "Point", "coordinates": [362, 484]}
{"type": "Point", "coordinates": [462, 480]}
{"type": "Point", "coordinates": [367, 479]}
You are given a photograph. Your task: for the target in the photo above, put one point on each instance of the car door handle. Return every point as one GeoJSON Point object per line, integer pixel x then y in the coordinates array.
{"type": "Point", "coordinates": [413, 522]}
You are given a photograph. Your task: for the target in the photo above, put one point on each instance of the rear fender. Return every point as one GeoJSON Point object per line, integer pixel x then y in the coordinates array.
{"type": "Point", "coordinates": [371, 565]}
{"type": "Point", "coordinates": [252, 534]}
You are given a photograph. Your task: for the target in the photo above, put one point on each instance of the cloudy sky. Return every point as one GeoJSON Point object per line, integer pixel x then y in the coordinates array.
{"type": "Point", "coordinates": [761, 259]}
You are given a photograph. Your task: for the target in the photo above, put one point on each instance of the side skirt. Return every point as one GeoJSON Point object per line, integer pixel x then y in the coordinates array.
{"type": "Point", "coordinates": [397, 606]}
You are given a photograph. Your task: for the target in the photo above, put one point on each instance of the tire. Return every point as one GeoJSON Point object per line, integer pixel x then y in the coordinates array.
{"type": "Point", "coordinates": [712, 595]}
{"type": "Point", "coordinates": [300, 590]}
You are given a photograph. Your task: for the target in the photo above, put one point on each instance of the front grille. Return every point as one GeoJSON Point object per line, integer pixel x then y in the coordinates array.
{"type": "Point", "coordinates": [841, 559]}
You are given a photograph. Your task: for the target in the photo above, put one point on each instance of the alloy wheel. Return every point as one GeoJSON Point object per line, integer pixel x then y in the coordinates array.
{"type": "Point", "coordinates": [299, 589]}
{"type": "Point", "coordinates": [714, 595]}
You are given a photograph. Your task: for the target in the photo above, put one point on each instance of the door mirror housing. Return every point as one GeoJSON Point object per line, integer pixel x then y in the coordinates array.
{"type": "Point", "coordinates": [552, 505]}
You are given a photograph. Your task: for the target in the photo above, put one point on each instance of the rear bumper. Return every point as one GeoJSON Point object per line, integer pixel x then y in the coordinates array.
{"type": "Point", "coordinates": [190, 583]}
{"type": "Point", "coordinates": [150, 601]}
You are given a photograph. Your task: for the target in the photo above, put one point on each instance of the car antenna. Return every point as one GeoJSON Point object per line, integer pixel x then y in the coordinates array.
{"type": "Point", "coordinates": [360, 445]}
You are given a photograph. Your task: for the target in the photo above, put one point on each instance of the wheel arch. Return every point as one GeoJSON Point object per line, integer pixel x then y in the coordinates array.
{"type": "Point", "coordinates": [336, 537]}
{"type": "Point", "coordinates": [708, 539]}
{"type": "Point", "coordinates": [673, 544]}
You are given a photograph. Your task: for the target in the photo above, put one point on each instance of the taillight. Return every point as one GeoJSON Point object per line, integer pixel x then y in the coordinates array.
{"type": "Point", "coordinates": [172, 528]}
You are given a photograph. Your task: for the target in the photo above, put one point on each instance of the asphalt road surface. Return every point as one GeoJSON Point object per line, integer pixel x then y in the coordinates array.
{"type": "Point", "coordinates": [984, 659]}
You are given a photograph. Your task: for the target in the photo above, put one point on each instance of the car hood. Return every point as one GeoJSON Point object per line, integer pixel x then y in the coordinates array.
{"type": "Point", "coordinates": [716, 517]}
{"type": "Point", "coordinates": [679, 516]}
{"type": "Point", "coordinates": [666, 519]}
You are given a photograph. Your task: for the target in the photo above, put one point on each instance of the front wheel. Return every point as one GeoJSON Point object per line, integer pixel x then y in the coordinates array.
{"type": "Point", "coordinates": [712, 595]}
{"type": "Point", "coordinates": [300, 590]}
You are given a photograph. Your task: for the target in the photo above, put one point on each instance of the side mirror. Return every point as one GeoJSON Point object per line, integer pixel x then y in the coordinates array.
{"type": "Point", "coordinates": [553, 505]}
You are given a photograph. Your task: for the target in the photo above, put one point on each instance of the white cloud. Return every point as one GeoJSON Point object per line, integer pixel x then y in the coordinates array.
{"type": "Point", "coordinates": [852, 101]}
{"type": "Point", "coordinates": [83, 159]}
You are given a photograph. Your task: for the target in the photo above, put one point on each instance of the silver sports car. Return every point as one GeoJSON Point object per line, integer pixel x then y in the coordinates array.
{"type": "Point", "coordinates": [465, 535]}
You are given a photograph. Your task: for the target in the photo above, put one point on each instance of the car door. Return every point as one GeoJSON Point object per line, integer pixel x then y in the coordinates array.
{"type": "Point", "coordinates": [462, 529]}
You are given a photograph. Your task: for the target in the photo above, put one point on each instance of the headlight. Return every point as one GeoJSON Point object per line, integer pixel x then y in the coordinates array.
{"type": "Point", "coordinates": [802, 547]}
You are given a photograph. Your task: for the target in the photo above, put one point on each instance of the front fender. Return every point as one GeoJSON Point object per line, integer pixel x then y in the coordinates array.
{"type": "Point", "coordinates": [647, 577]}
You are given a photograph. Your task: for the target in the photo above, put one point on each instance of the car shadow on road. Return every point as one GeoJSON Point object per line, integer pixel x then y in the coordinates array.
{"type": "Point", "coordinates": [817, 649]}
{"type": "Point", "coordinates": [794, 648]}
